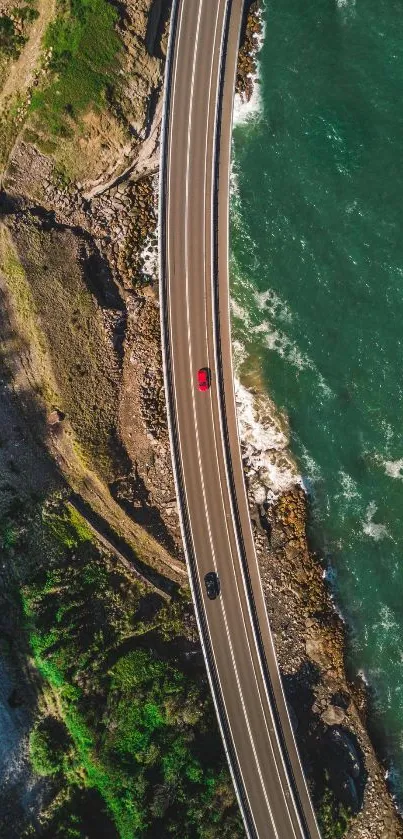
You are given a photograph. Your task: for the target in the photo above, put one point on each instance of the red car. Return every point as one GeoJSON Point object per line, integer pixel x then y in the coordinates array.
{"type": "Point", "coordinates": [204, 378]}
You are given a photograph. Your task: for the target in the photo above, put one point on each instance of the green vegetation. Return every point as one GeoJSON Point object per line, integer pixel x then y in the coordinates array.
{"type": "Point", "coordinates": [84, 61]}
{"type": "Point", "coordinates": [11, 41]}
{"type": "Point", "coordinates": [28, 328]}
{"type": "Point", "coordinates": [75, 363]}
{"type": "Point", "coordinates": [12, 29]}
{"type": "Point", "coordinates": [68, 527]}
{"type": "Point", "coordinates": [132, 726]}
{"type": "Point", "coordinates": [333, 818]}
{"type": "Point", "coordinates": [48, 743]}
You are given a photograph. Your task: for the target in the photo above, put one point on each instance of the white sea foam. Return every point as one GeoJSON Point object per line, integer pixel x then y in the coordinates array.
{"type": "Point", "coordinates": [386, 628]}
{"type": "Point", "coordinates": [370, 528]}
{"type": "Point", "coordinates": [363, 676]}
{"type": "Point", "coordinates": [239, 354]}
{"type": "Point", "coordinates": [240, 312]}
{"type": "Point", "coordinates": [278, 341]}
{"type": "Point", "coordinates": [263, 431]}
{"type": "Point", "coordinates": [149, 259]}
{"type": "Point", "coordinates": [388, 431]}
{"type": "Point", "coordinates": [349, 489]}
{"type": "Point", "coordinates": [271, 302]}
{"type": "Point", "coordinates": [387, 621]}
{"type": "Point", "coordinates": [245, 110]}
{"type": "Point", "coordinates": [347, 10]}
{"type": "Point", "coordinates": [394, 468]}
{"type": "Point", "coordinates": [324, 387]}
{"type": "Point", "coordinates": [311, 473]}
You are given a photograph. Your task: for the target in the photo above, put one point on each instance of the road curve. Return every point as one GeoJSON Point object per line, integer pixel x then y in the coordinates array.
{"type": "Point", "coordinates": [195, 325]}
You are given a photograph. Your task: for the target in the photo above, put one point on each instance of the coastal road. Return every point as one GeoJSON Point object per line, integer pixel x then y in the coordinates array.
{"type": "Point", "coordinates": [234, 629]}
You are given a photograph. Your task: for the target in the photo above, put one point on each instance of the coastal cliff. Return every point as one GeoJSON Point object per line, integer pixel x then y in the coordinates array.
{"type": "Point", "coordinates": [96, 607]}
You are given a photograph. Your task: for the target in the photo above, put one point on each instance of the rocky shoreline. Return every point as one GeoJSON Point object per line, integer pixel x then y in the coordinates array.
{"type": "Point", "coordinates": [111, 224]}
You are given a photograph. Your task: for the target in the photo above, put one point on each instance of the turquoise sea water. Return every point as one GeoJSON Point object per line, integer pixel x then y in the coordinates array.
{"type": "Point", "coordinates": [317, 278]}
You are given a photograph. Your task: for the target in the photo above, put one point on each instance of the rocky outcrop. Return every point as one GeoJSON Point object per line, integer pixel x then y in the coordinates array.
{"type": "Point", "coordinates": [330, 711]}
{"type": "Point", "coordinates": [251, 37]}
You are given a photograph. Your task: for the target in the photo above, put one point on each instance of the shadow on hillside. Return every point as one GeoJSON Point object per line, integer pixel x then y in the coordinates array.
{"type": "Point", "coordinates": [29, 407]}
{"type": "Point", "coordinates": [179, 650]}
{"type": "Point", "coordinates": [100, 525]}
{"type": "Point", "coordinates": [331, 754]}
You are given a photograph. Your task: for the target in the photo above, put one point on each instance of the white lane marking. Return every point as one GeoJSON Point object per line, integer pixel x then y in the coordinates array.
{"type": "Point", "coordinates": [189, 332]}
{"type": "Point", "coordinates": [217, 709]}
{"type": "Point", "coordinates": [180, 513]}
{"type": "Point", "coordinates": [243, 492]}
{"type": "Point", "coordinates": [270, 730]}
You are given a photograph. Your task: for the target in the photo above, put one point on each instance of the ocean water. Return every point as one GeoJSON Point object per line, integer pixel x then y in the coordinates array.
{"type": "Point", "coordinates": [317, 288]}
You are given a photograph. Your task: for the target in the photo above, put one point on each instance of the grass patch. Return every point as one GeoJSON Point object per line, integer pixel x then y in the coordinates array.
{"type": "Point", "coordinates": [73, 350]}
{"type": "Point", "coordinates": [68, 527]}
{"type": "Point", "coordinates": [29, 332]}
{"type": "Point", "coordinates": [9, 128]}
{"type": "Point", "coordinates": [15, 273]}
{"type": "Point", "coordinates": [136, 727]}
{"type": "Point", "coordinates": [84, 64]}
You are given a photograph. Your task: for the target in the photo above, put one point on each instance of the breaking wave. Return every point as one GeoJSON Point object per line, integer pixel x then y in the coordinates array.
{"type": "Point", "coordinates": [371, 528]}
{"type": "Point", "coordinates": [269, 467]}
{"type": "Point", "coordinates": [394, 468]}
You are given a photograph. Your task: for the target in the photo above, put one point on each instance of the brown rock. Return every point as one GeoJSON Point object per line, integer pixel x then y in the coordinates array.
{"type": "Point", "coordinates": [55, 417]}
{"type": "Point", "coordinates": [333, 715]}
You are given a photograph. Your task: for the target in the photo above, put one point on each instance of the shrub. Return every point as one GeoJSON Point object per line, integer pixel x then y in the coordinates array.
{"type": "Point", "coordinates": [48, 744]}
{"type": "Point", "coordinates": [11, 41]}
{"type": "Point", "coordinates": [138, 725]}
{"type": "Point", "coordinates": [332, 817]}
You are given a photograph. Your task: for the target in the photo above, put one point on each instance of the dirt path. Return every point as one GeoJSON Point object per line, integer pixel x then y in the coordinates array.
{"type": "Point", "coordinates": [22, 71]}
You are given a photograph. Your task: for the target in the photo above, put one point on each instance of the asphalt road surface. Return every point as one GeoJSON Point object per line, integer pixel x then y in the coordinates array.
{"type": "Point", "coordinates": [234, 628]}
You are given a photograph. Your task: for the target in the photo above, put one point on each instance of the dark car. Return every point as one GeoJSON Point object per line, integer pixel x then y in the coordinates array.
{"type": "Point", "coordinates": [212, 584]}
{"type": "Point", "coordinates": [204, 378]}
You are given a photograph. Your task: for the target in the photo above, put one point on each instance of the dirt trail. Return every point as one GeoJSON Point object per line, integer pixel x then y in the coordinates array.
{"type": "Point", "coordinates": [22, 71]}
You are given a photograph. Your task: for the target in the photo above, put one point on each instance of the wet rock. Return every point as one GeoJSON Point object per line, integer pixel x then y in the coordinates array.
{"type": "Point", "coordinates": [341, 698]}
{"type": "Point", "coordinates": [346, 791]}
{"type": "Point", "coordinates": [250, 37]}
{"type": "Point", "coordinates": [343, 751]}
